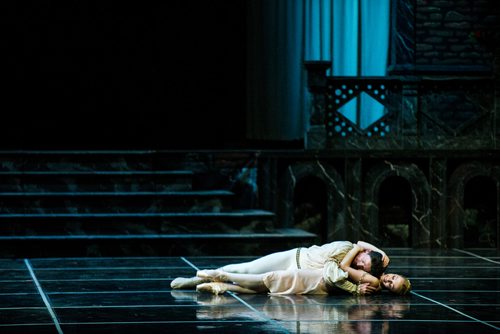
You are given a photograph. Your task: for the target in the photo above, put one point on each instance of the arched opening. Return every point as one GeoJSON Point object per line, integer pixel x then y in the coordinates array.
{"type": "Point", "coordinates": [310, 207]}
{"type": "Point", "coordinates": [480, 213]}
{"type": "Point", "coordinates": [395, 208]}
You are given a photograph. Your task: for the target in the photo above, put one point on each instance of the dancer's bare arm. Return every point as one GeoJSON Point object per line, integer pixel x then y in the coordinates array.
{"type": "Point", "coordinates": [357, 275]}
{"type": "Point", "coordinates": [347, 284]}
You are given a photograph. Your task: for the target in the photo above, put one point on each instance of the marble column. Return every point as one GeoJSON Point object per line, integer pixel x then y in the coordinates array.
{"type": "Point", "coordinates": [316, 138]}
{"type": "Point", "coordinates": [438, 185]}
{"type": "Point", "coordinates": [353, 198]}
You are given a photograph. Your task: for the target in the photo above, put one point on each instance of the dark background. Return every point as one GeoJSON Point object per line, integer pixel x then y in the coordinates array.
{"type": "Point", "coordinates": [111, 74]}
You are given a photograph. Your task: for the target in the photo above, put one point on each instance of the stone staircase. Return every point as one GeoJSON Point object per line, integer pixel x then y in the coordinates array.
{"type": "Point", "coordinates": [126, 203]}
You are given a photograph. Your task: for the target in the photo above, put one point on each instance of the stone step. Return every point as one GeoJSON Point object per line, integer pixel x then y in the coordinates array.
{"type": "Point", "coordinates": [46, 160]}
{"type": "Point", "coordinates": [276, 234]}
{"type": "Point", "coordinates": [229, 214]}
{"type": "Point", "coordinates": [96, 203]}
{"type": "Point", "coordinates": [241, 221]}
{"type": "Point", "coordinates": [72, 180]}
{"type": "Point", "coordinates": [93, 173]}
{"type": "Point", "coordinates": [114, 201]}
{"type": "Point", "coordinates": [155, 244]}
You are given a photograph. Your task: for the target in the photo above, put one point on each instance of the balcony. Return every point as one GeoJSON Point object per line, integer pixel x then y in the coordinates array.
{"type": "Point", "coordinates": [433, 111]}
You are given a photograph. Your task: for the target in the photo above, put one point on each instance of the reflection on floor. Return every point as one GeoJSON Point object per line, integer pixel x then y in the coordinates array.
{"type": "Point", "coordinates": [454, 291]}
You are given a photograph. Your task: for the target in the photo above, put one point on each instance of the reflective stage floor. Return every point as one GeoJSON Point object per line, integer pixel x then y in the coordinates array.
{"type": "Point", "coordinates": [454, 291]}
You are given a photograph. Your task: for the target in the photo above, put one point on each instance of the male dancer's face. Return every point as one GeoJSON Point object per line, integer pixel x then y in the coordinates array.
{"type": "Point", "coordinates": [363, 261]}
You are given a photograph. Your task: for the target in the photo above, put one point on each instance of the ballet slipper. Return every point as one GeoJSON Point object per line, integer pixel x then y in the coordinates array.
{"type": "Point", "coordinates": [187, 283]}
{"type": "Point", "coordinates": [215, 288]}
{"type": "Point", "coordinates": [212, 275]}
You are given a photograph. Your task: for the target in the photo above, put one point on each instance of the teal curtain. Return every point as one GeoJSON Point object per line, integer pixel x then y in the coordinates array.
{"type": "Point", "coordinates": [374, 41]}
{"type": "Point", "coordinates": [345, 60]}
{"type": "Point", "coordinates": [282, 34]}
{"type": "Point", "coordinates": [276, 89]}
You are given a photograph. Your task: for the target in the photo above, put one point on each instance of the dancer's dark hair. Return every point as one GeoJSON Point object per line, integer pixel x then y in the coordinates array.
{"type": "Point", "coordinates": [377, 267]}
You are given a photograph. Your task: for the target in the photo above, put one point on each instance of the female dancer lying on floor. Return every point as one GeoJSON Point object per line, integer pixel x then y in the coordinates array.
{"type": "Point", "coordinates": [325, 258]}
{"type": "Point", "coordinates": [303, 281]}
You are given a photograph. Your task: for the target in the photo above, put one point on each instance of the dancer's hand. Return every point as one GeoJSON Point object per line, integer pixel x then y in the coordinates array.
{"type": "Point", "coordinates": [366, 289]}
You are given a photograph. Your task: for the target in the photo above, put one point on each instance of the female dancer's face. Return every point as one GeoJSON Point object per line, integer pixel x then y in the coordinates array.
{"type": "Point", "coordinates": [392, 282]}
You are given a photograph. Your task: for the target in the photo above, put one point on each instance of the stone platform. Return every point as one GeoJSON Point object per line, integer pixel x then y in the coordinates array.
{"type": "Point", "coordinates": [454, 291]}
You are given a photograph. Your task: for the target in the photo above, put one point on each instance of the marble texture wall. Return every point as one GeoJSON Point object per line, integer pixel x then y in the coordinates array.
{"type": "Point", "coordinates": [437, 185]}
{"type": "Point", "coordinates": [459, 178]}
{"type": "Point", "coordinates": [335, 195]}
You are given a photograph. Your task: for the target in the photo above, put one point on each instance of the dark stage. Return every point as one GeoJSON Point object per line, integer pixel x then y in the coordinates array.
{"type": "Point", "coordinates": [140, 142]}
{"type": "Point", "coordinates": [454, 291]}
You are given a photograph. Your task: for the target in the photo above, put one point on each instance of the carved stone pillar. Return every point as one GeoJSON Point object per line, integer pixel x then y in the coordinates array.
{"type": "Point", "coordinates": [496, 129]}
{"type": "Point", "coordinates": [315, 137]}
{"type": "Point", "coordinates": [402, 53]}
{"type": "Point", "coordinates": [439, 194]}
{"type": "Point", "coordinates": [409, 110]}
{"type": "Point", "coordinates": [353, 198]}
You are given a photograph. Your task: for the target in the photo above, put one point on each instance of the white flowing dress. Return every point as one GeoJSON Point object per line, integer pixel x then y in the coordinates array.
{"type": "Point", "coordinates": [319, 273]}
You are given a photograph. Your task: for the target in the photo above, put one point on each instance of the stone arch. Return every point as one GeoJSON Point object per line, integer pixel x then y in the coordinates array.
{"type": "Point", "coordinates": [335, 201]}
{"type": "Point", "coordinates": [420, 222]}
{"type": "Point", "coordinates": [458, 180]}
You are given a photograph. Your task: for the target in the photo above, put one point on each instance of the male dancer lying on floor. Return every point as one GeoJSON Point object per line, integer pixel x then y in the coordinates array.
{"type": "Point", "coordinates": [325, 258]}
{"type": "Point", "coordinates": [301, 281]}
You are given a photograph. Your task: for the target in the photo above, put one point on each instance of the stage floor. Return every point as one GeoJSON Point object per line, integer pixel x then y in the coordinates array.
{"type": "Point", "coordinates": [454, 291]}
